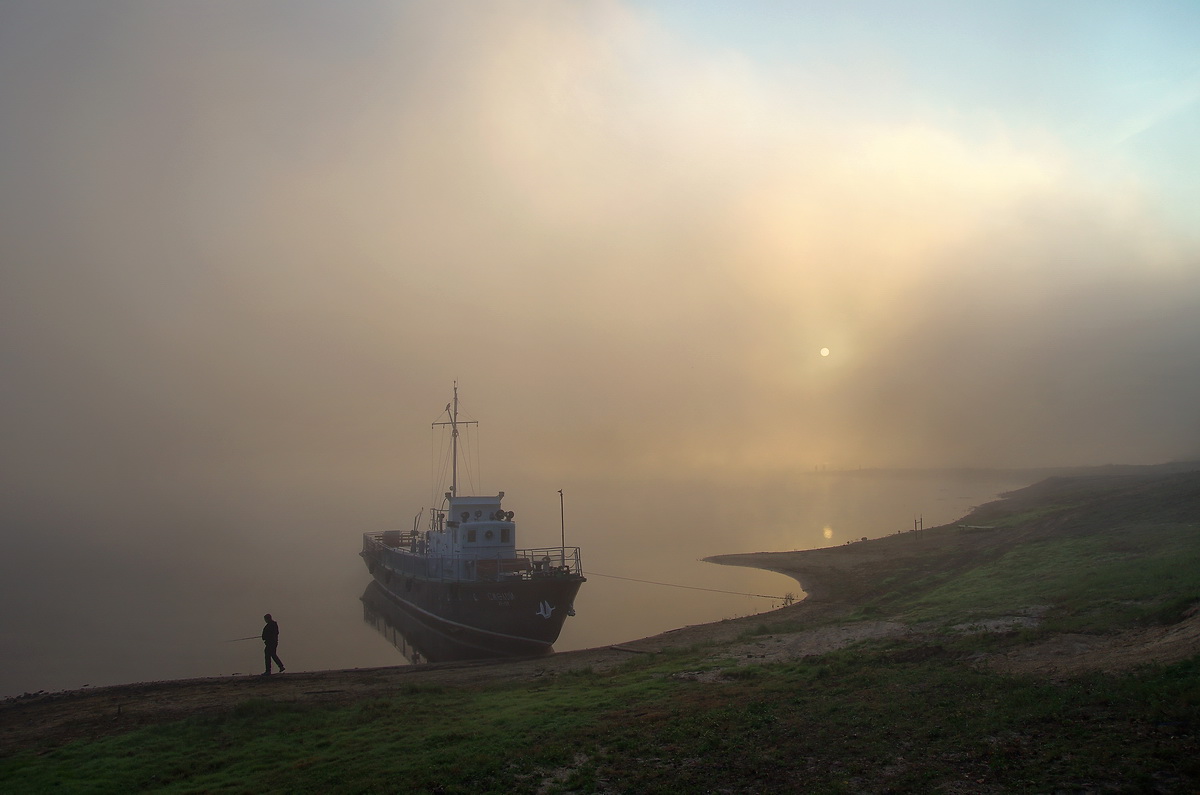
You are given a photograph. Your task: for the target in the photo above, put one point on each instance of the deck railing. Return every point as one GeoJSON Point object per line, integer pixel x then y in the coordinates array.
{"type": "Point", "coordinates": [397, 547]}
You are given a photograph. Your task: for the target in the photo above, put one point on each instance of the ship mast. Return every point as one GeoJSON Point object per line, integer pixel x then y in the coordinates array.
{"type": "Point", "coordinates": [452, 410]}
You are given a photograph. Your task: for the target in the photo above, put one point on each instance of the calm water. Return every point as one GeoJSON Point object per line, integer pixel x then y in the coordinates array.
{"type": "Point", "coordinates": [113, 602]}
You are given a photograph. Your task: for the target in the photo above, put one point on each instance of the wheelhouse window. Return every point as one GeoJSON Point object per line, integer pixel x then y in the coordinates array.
{"type": "Point", "coordinates": [504, 535]}
{"type": "Point", "coordinates": [471, 535]}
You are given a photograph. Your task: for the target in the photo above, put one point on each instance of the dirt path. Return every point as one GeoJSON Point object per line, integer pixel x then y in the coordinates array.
{"type": "Point", "coordinates": [81, 714]}
{"type": "Point", "coordinates": [29, 721]}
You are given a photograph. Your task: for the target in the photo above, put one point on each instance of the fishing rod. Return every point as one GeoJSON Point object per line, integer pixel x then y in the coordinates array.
{"type": "Point", "coordinates": [250, 637]}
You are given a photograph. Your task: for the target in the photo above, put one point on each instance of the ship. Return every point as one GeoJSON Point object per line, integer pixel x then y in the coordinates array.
{"type": "Point", "coordinates": [464, 574]}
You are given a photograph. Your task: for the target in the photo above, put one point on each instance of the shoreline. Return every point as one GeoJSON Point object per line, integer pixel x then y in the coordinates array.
{"type": "Point", "coordinates": [821, 573]}
{"type": "Point", "coordinates": [835, 580]}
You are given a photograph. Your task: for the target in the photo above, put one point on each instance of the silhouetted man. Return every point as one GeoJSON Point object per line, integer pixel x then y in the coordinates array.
{"type": "Point", "coordinates": [270, 636]}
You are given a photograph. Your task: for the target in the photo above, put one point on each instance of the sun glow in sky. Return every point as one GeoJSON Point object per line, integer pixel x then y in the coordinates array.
{"type": "Point", "coordinates": [268, 235]}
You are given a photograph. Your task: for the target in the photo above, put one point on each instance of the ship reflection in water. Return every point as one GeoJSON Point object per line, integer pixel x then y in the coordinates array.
{"type": "Point", "coordinates": [421, 642]}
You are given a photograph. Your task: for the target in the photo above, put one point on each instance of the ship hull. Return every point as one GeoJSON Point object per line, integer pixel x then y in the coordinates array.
{"type": "Point", "coordinates": [421, 641]}
{"type": "Point", "coordinates": [516, 615]}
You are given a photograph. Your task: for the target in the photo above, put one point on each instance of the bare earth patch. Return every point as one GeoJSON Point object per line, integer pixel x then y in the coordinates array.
{"type": "Point", "coordinates": [1071, 653]}
{"type": "Point", "coordinates": [810, 642]}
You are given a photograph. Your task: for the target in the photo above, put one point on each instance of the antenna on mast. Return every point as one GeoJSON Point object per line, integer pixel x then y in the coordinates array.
{"type": "Point", "coordinates": [452, 410]}
{"type": "Point", "coordinates": [562, 526]}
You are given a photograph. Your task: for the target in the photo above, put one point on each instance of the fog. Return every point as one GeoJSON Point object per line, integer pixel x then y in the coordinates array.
{"type": "Point", "coordinates": [246, 249]}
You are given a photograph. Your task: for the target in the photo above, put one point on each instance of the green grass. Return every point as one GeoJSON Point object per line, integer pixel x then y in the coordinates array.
{"type": "Point", "coordinates": [1124, 576]}
{"type": "Point", "coordinates": [848, 721]}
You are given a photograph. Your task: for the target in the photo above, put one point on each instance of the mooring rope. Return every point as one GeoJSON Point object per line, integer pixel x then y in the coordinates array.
{"type": "Point", "coordinates": [690, 587]}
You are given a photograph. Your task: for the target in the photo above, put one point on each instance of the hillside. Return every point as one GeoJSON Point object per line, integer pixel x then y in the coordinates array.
{"type": "Point", "coordinates": [1104, 565]}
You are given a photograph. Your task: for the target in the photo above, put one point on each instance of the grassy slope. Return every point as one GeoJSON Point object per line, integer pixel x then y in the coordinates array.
{"type": "Point", "coordinates": [1098, 553]}
{"type": "Point", "coordinates": [918, 714]}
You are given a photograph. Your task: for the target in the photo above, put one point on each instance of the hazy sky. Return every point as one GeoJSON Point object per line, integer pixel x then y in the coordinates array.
{"type": "Point", "coordinates": [242, 239]}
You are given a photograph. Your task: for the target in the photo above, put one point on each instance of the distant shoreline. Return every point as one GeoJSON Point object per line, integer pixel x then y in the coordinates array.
{"type": "Point", "coordinates": [842, 573]}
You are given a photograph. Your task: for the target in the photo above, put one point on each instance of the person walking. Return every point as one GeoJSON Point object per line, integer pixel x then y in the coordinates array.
{"type": "Point", "coordinates": [270, 636]}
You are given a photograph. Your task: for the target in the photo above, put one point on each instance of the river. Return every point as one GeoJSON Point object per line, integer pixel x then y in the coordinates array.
{"type": "Point", "coordinates": [109, 602]}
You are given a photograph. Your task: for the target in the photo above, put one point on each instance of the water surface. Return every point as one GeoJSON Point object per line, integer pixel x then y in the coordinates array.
{"type": "Point", "coordinates": [165, 590]}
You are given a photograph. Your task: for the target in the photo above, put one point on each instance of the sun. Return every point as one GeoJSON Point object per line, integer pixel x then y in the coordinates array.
{"type": "Point", "coordinates": [824, 351]}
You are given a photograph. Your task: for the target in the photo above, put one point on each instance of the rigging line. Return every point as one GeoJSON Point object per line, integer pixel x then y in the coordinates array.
{"type": "Point", "coordinates": [690, 587]}
{"type": "Point", "coordinates": [470, 461]}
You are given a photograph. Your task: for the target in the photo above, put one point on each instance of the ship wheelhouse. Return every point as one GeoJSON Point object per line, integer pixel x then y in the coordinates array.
{"type": "Point", "coordinates": [474, 527]}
